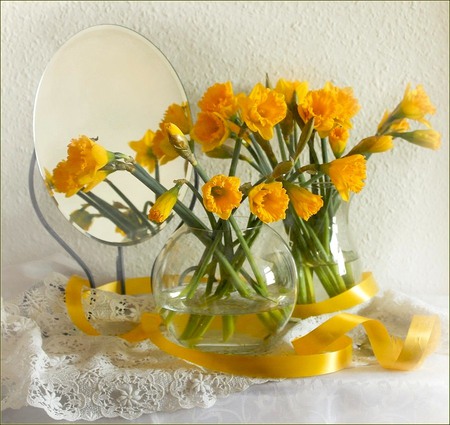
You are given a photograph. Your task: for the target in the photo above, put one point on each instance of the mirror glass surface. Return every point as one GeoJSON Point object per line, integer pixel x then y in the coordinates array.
{"type": "Point", "coordinates": [110, 83]}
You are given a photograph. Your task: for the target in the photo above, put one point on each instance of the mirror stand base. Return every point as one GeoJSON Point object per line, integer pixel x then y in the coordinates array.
{"type": "Point", "coordinates": [68, 249]}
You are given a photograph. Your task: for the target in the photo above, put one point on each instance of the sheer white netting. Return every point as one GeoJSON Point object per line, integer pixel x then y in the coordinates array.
{"type": "Point", "coordinates": [48, 363]}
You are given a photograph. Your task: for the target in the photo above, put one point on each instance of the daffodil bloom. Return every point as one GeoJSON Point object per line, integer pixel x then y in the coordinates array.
{"type": "Point", "coordinates": [262, 109]}
{"type": "Point", "coordinates": [398, 125]}
{"type": "Point", "coordinates": [219, 98]}
{"type": "Point", "coordinates": [320, 105]}
{"type": "Point", "coordinates": [210, 131]}
{"type": "Point", "coordinates": [347, 174]}
{"type": "Point", "coordinates": [330, 106]}
{"type": "Point", "coordinates": [430, 139]}
{"type": "Point", "coordinates": [163, 206]}
{"type": "Point", "coordinates": [48, 180]}
{"type": "Point", "coordinates": [338, 138]}
{"type": "Point", "coordinates": [289, 88]}
{"type": "Point", "coordinates": [180, 116]}
{"type": "Point", "coordinates": [373, 144]}
{"type": "Point", "coordinates": [221, 195]}
{"type": "Point", "coordinates": [162, 148]}
{"type": "Point", "coordinates": [415, 105]}
{"type": "Point", "coordinates": [269, 201]}
{"type": "Point", "coordinates": [304, 202]}
{"type": "Point", "coordinates": [144, 150]}
{"type": "Point", "coordinates": [347, 104]}
{"type": "Point", "coordinates": [82, 168]}
{"type": "Point", "coordinates": [82, 218]}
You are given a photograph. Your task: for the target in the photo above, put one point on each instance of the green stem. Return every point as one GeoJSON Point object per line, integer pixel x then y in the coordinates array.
{"type": "Point", "coordinates": [245, 247]}
{"type": "Point", "coordinates": [281, 143]}
{"type": "Point", "coordinates": [324, 146]}
{"type": "Point", "coordinates": [108, 211]}
{"type": "Point", "coordinates": [266, 167]}
{"type": "Point", "coordinates": [189, 291]}
{"type": "Point", "coordinates": [141, 217]}
{"type": "Point", "coordinates": [235, 159]}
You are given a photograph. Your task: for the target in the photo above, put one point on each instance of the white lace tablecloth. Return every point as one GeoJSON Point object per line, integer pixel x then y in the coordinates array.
{"type": "Point", "coordinates": [49, 364]}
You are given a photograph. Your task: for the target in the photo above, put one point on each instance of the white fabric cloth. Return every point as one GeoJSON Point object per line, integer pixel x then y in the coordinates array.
{"type": "Point", "coordinates": [49, 364]}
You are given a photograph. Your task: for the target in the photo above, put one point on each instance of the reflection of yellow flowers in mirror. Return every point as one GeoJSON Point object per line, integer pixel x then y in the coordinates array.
{"type": "Point", "coordinates": [221, 195]}
{"type": "Point", "coordinates": [154, 147]}
{"type": "Point", "coordinates": [144, 150]}
{"type": "Point", "coordinates": [82, 169]}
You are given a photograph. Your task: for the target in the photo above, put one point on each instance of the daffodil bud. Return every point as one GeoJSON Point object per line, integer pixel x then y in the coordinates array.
{"type": "Point", "coordinates": [430, 139]}
{"type": "Point", "coordinates": [180, 143]}
{"type": "Point", "coordinates": [163, 206]}
{"type": "Point", "coordinates": [282, 168]}
{"type": "Point", "coordinates": [373, 144]}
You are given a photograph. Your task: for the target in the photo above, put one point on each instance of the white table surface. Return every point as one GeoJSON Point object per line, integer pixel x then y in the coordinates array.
{"type": "Point", "coordinates": [368, 394]}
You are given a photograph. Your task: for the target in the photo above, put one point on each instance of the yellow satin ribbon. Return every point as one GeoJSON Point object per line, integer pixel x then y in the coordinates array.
{"type": "Point", "coordinates": [359, 293]}
{"type": "Point", "coordinates": [324, 350]}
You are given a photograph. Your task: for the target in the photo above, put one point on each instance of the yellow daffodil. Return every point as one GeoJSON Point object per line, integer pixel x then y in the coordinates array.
{"type": "Point", "coordinates": [415, 105]}
{"type": "Point", "coordinates": [347, 104]}
{"type": "Point", "coordinates": [210, 131]}
{"type": "Point", "coordinates": [219, 98]}
{"type": "Point", "coordinates": [162, 148]}
{"type": "Point", "coordinates": [180, 116]}
{"type": "Point", "coordinates": [330, 106]}
{"type": "Point", "coordinates": [289, 88]}
{"type": "Point", "coordinates": [262, 109]}
{"type": "Point", "coordinates": [268, 201]}
{"type": "Point", "coordinates": [82, 218]}
{"type": "Point", "coordinates": [320, 105]}
{"type": "Point", "coordinates": [163, 206]}
{"type": "Point", "coordinates": [48, 180]}
{"type": "Point", "coordinates": [373, 144]}
{"type": "Point", "coordinates": [304, 202]}
{"type": "Point", "coordinates": [398, 125]}
{"type": "Point", "coordinates": [338, 138]}
{"type": "Point", "coordinates": [82, 168]}
{"type": "Point", "coordinates": [144, 150]}
{"type": "Point", "coordinates": [347, 174]}
{"type": "Point", "coordinates": [430, 139]}
{"type": "Point", "coordinates": [221, 195]}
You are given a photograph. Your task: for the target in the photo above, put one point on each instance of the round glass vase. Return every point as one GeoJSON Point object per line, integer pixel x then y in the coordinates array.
{"type": "Point", "coordinates": [323, 247]}
{"type": "Point", "coordinates": [229, 290]}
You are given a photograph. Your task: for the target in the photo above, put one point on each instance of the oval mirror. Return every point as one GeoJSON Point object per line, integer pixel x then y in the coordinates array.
{"type": "Point", "coordinates": [112, 85]}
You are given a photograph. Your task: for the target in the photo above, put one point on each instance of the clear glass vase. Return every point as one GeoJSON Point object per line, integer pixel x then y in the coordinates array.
{"type": "Point", "coordinates": [228, 290]}
{"type": "Point", "coordinates": [323, 247]}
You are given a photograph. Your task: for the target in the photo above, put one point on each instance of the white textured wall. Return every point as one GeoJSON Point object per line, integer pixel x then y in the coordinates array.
{"type": "Point", "coordinates": [401, 217]}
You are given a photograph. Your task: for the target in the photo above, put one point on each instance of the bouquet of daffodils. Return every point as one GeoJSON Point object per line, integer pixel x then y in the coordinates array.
{"type": "Point", "coordinates": [294, 139]}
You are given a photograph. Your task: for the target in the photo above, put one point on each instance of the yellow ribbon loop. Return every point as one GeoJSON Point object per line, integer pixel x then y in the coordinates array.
{"type": "Point", "coordinates": [74, 305]}
{"type": "Point", "coordinates": [359, 293]}
{"type": "Point", "coordinates": [324, 350]}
